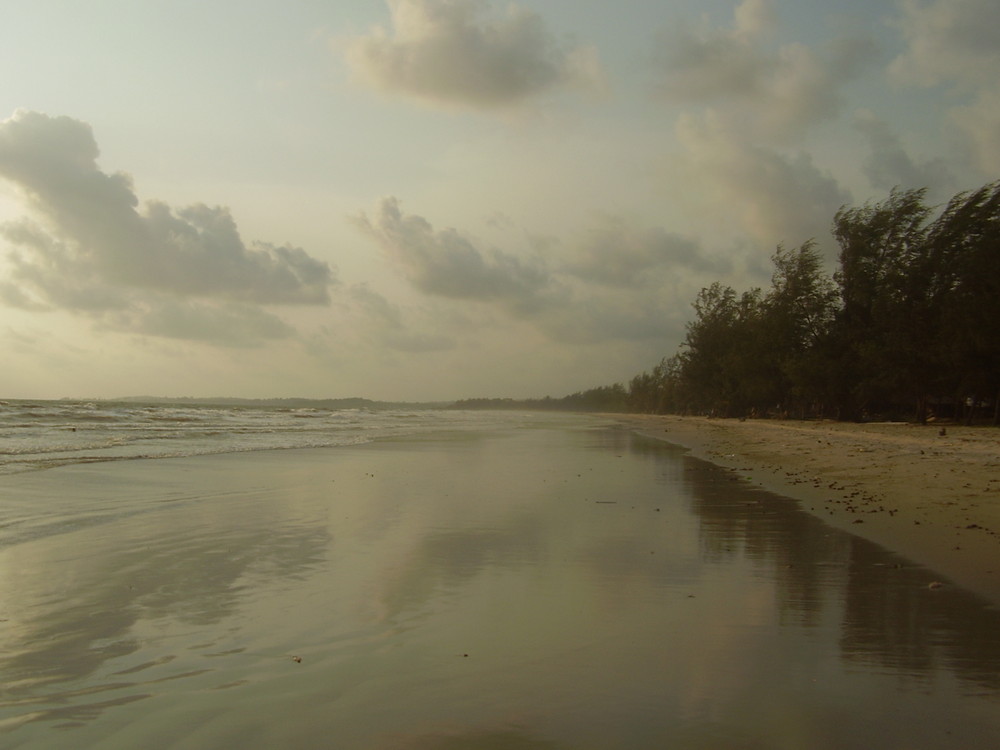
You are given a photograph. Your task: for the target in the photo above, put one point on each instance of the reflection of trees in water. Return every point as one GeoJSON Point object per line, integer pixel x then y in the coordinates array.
{"type": "Point", "coordinates": [738, 520]}
{"type": "Point", "coordinates": [622, 440]}
{"type": "Point", "coordinates": [806, 555]}
{"type": "Point", "coordinates": [890, 618]}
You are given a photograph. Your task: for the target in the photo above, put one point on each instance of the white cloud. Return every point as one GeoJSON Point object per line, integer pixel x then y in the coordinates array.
{"type": "Point", "coordinates": [90, 249]}
{"type": "Point", "coordinates": [773, 93]}
{"type": "Point", "coordinates": [445, 52]}
{"type": "Point", "coordinates": [385, 324]}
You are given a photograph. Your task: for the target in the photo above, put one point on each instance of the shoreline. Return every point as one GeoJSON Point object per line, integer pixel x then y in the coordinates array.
{"type": "Point", "coordinates": [932, 498]}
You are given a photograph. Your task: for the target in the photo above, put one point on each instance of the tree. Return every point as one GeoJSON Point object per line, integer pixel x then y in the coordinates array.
{"type": "Point", "coordinates": [708, 338]}
{"type": "Point", "coordinates": [886, 316]}
{"type": "Point", "coordinates": [913, 312]}
{"type": "Point", "coordinates": [723, 365]}
{"type": "Point", "coordinates": [799, 311]}
{"type": "Point", "coordinates": [964, 245]}
{"type": "Point", "coordinates": [659, 391]}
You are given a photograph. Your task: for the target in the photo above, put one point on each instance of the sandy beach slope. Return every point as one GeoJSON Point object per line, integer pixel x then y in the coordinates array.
{"type": "Point", "coordinates": [932, 497]}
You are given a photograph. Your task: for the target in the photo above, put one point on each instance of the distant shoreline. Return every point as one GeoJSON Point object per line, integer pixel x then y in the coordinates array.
{"type": "Point", "coordinates": [290, 403]}
{"type": "Point", "coordinates": [933, 498]}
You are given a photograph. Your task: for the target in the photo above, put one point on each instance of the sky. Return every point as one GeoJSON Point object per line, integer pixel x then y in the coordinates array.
{"type": "Point", "coordinates": [424, 200]}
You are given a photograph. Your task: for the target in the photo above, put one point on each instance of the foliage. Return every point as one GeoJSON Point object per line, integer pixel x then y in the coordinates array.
{"type": "Point", "coordinates": [909, 323]}
{"type": "Point", "coordinates": [606, 398]}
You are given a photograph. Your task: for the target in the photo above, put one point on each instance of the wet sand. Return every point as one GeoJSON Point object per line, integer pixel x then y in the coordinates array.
{"type": "Point", "coordinates": [930, 497]}
{"type": "Point", "coordinates": [566, 585]}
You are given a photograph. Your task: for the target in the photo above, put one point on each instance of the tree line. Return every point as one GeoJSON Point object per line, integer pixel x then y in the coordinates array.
{"type": "Point", "coordinates": [607, 398]}
{"type": "Point", "coordinates": [908, 326]}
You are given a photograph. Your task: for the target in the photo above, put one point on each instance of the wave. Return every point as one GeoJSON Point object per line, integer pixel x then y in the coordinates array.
{"type": "Point", "coordinates": [43, 435]}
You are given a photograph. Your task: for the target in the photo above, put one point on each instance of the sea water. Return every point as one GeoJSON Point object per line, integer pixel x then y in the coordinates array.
{"type": "Point", "coordinates": [44, 434]}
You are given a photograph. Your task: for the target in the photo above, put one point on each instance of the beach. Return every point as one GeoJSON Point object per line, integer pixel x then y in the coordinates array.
{"type": "Point", "coordinates": [516, 581]}
{"type": "Point", "coordinates": [929, 492]}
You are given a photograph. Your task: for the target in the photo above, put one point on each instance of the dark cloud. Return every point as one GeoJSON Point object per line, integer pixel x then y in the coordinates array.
{"type": "Point", "coordinates": [386, 324]}
{"type": "Point", "coordinates": [92, 250]}
{"type": "Point", "coordinates": [979, 124]}
{"type": "Point", "coordinates": [954, 41]}
{"type": "Point", "coordinates": [202, 254]}
{"type": "Point", "coordinates": [194, 251]}
{"type": "Point", "coordinates": [445, 52]}
{"type": "Point", "coordinates": [888, 165]}
{"type": "Point", "coordinates": [955, 44]}
{"type": "Point", "coordinates": [699, 64]}
{"type": "Point", "coordinates": [777, 197]}
{"type": "Point", "coordinates": [615, 253]}
{"type": "Point", "coordinates": [776, 92]}
{"type": "Point", "coordinates": [230, 324]}
{"type": "Point", "coordinates": [447, 264]}
{"type": "Point", "coordinates": [13, 295]}
{"type": "Point", "coordinates": [48, 274]}
{"type": "Point", "coordinates": [594, 317]}
{"type": "Point", "coordinates": [616, 283]}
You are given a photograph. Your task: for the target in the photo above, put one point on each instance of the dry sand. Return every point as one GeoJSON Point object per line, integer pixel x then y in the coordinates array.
{"type": "Point", "coordinates": [933, 498]}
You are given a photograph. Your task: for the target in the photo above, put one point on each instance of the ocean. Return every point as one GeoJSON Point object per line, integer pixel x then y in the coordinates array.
{"type": "Point", "coordinates": [38, 435]}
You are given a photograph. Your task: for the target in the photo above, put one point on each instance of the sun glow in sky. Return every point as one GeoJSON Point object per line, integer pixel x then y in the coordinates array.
{"type": "Point", "coordinates": [438, 199]}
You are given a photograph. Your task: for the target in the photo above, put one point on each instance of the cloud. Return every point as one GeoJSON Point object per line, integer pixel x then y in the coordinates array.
{"type": "Point", "coordinates": [194, 251]}
{"type": "Point", "coordinates": [776, 93]}
{"type": "Point", "coordinates": [598, 317]}
{"type": "Point", "coordinates": [230, 324]}
{"type": "Point", "coordinates": [615, 253]}
{"type": "Point", "coordinates": [444, 52]}
{"type": "Point", "coordinates": [91, 249]}
{"type": "Point", "coordinates": [50, 274]}
{"type": "Point", "coordinates": [201, 253]}
{"type": "Point", "coordinates": [385, 324]}
{"type": "Point", "coordinates": [955, 41]}
{"type": "Point", "coordinates": [888, 165]}
{"type": "Point", "coordinates": [612, 283]}
{"type": "Point", "coordinates": [956, 44]}
{"type": "Point", "coordinates": [707, 63]}
{"type": "Point", "coordinates": [979, 123]}
{"type": "Point", "coordinates": [446, 263]}
{"type": "Point", "coordinates": [776, 197]}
